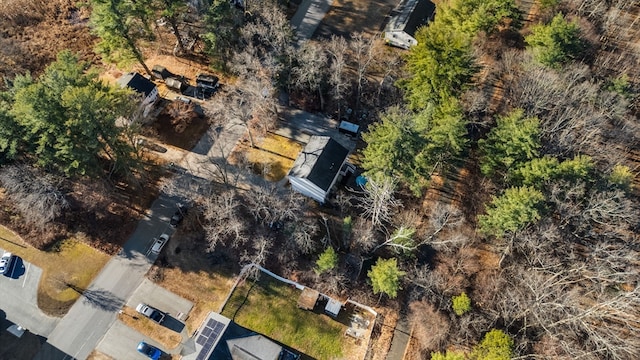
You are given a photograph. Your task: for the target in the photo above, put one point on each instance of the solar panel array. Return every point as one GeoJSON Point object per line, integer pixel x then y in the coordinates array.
{"type": "Point", "coordinates": [208, 337]}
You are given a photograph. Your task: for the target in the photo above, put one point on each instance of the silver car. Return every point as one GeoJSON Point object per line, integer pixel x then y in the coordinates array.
{"type": "Point", "coordinates": [150, 312]}
{"type": "Point", "coordinates": [158, 243]}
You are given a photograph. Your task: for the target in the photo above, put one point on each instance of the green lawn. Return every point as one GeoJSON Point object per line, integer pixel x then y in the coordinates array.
{"type": "Point", "coordinates": [271, 309]}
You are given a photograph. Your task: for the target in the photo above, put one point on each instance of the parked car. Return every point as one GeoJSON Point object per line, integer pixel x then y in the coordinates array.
{"type": "Point", "coordinates": [175, 84]}
{"type": "Point", "coordinates": [159, 243]}
{"type": "Point", "coordinates": [184, 99]}
{"type": "Point", "coordinates": [207, 82]}
{"type": "Point", "coordinates": [178, 216]}
{"type": "Point", "coordinates": [5, 262]}
{"type": "Point", "coordinates": [149, 351]}
{"type": "Point", "coordinates": [150, 312]}
{"type": "Point", "coordinates": [160, 72]}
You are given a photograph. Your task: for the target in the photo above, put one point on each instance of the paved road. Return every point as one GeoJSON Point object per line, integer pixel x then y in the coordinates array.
{"type": "Point", "coordinates": [19, 298]}
{"type": "Point", "coordinates": [308, 17]}
{"type": "Point", "coordinates": [121, 341]}
{"type": "Point", "coordinates": [400, 339]}
{"type": "Point", "coordinates": [90, 317]}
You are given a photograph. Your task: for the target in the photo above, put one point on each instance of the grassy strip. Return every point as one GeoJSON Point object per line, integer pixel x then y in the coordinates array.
{"type": "Point", "coordinates": [206, 289]}
{"type": "Point", "coordinates": [72, 262]}
{"type": "Point", "coordinates": [167, 338]}
{"type": "Point", "coordinates": [270, 307]}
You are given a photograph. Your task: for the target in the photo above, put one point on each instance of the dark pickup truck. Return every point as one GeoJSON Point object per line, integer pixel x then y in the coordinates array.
{"type": "Point", "coordinates": [207, 82]}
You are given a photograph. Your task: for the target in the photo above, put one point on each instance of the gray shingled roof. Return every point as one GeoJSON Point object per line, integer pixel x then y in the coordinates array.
{"type": "Point", "coordinates": [256, 347]}
{"type": "Point", "coordinates": [320, 161]}
{"type": "Point", "coordinates": [137, 82]}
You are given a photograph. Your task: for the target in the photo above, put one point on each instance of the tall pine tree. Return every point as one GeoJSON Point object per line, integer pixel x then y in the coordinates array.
{"type": "Point", "coordinates": [121, 25]}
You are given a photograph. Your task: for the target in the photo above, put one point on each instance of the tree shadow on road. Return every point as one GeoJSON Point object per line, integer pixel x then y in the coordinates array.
{"type": "Point", "coordinates": [99, 298]}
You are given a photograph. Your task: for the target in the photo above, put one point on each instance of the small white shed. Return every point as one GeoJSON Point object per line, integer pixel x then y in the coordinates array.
{"type": "Point", "coordinates": [317, 167]}
{"type": "Point", "coordinates": [405, 20]}
{"type": "Point", "coordinates": [333, 307]}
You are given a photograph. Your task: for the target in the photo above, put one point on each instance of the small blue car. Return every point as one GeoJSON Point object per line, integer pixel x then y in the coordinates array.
{"type": "Point", "coordinates": [149, 351]}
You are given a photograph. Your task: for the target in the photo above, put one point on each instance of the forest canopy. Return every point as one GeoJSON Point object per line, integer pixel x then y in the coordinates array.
{"type": "Point", "coordinates": [65, 120]}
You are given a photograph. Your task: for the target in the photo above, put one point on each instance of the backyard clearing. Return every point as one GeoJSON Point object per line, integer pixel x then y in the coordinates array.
{"type": "Point", "coordinates": [270, 307]}
{"type": "Point", "coordinates": [272, 156]}
{"type": "Point", "coordinates": [70, 262]}
{"type": "Point", "coordinates": [187, 270]}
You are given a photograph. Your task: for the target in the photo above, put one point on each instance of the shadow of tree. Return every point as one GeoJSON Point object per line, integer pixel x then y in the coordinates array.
{"type": "Point", "coordinates": [99, 298]}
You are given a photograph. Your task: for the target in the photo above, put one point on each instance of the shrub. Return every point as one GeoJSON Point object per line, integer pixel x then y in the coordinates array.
{"type": "Point", "coordinates": [449, 355]}
{"type": "Point", "coordinates": [461, 304]}
{"type": "Point", "coordinates": [496, 345]}
{"type": "Point", "coordinates": [621, 176]}
{"type": "Point", "coordinates": [385, 277]}
{"type": "Point", "coordinates": [327, 261]}
{"type": "Point", "coordinates": [347, 227]}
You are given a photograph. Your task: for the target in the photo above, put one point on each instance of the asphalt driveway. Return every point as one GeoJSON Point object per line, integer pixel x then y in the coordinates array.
{"type": "Point", "coordinates": [308, 17]}
{"type": "Point", "coordinates": [161, 299]}
{"type": "Point", "coordinates": [91, 316]}
{"type": "Point", "coordinates": [121, 341]}
{"type": "Point", "coordinates": [299, 125]}
{"type": "Point", "coordinates": [19, 298]}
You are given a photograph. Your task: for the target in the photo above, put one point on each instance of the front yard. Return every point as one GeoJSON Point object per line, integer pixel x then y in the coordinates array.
{"type": "Point", "coordinates": [272, 157]}
{"type": "Point", "coordinates": [270, 307]}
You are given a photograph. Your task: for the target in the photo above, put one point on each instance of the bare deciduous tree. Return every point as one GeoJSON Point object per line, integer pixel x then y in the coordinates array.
{"type": "Point", "coordinates": [36, 195]}
{"type": "Point", "coordinates": [363, 236]}
{"type": "Point", "coordinates": [258, 253]}
{"type": "Point", "coordinates": [218, 165]}
{"type": "Point", "coordinates": [301, 233]}
{"type": "Point", "coordinates": [269, 206]}
{"type": "Point", "coordinates": [365, 50]}
{"type": "Point", "coordinates": [587, 324]}
{"type": "Point", "coordinates": [389, 62]}
{"type": "Point", "coordinates": [337, 48]}
{"type": "Point", "coordinates": [310, 72]}
{"type": "Point", "coordinates": [572, 122]}
{"type": "Point", "coordinates": [430, 326]}
{"type": "Point", "coordinates": [378, 202]}
{"type": "Point", "coordinates": [182, 114]}
{"type": "Point", "coordinates": [332, 284]}
{"type": "Point", "coordinates": [223, 222]}
{"type": "Point", "coordinates": [401, 240]}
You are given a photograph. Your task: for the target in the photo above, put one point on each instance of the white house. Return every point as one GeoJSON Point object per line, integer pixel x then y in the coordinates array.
{"type": "Point", "coordinates": [143, 86]}
{"type": "Point", "coordinates": [317, 167]}
{"type": "Point", "coordinates": [405, 20]}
